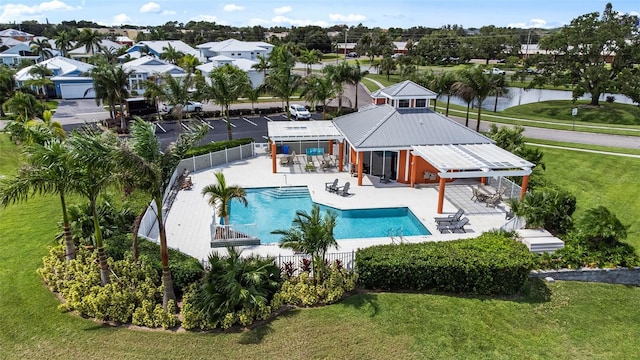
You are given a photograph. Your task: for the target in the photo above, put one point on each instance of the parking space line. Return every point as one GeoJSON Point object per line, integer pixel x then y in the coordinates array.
{"type": "Point", "coordinates": [249, 121]}
{"type": "Point", "coordinates": [206, 123]}
{"type": "Point", "coordinates": [186, 127]}
{"type": "Point", "coordinates": [225, 120]}
{"type": "Point", "coordinates": [266, 117]}
{"type": "Point", "coordinates": [161, 128]}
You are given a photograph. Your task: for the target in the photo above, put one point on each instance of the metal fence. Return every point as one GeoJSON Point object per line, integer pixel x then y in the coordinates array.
{"type": "Point", "coordinates": [512, 190]}
{"type": "Point", "coordinates": [347, 260]}
{"type": "Point", "coordinates": [148, 226]}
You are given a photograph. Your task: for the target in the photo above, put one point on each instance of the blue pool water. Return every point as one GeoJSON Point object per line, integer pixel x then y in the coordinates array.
{"type": "Point", "coordinates": [275, 208]}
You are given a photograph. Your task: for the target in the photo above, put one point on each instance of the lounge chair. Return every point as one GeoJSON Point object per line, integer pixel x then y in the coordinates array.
{"type": "Point", "coordinates": [343, 190]}
{"type": "Point", "coordinates": [331, 186]}
{"type": "Point", "coordinates": [453, 227]}
{"type": "Point", "coordinates": [450, 218]}
{"type": "Point", "coordinates": [294, 158]}
{"type": "Point", "coordinates": [385, 178]}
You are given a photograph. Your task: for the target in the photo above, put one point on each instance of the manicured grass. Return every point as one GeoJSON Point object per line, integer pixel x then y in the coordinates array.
{"type": "Point", "coordinates": [606, 113]}
{"type": "Point", "coordinates": [597, 179]}
{"type": "Point", "coordinates": [585, 146]}
{"type": "Point", "coordinates": [559, 320]}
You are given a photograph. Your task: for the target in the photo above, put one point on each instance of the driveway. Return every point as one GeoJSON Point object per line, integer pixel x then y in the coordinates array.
{"type": "Point", "coordinates": [79, 111]}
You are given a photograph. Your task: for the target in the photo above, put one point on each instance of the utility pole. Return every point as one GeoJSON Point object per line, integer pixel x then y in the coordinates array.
{"type": "Point", "coordinates": [346, 31]}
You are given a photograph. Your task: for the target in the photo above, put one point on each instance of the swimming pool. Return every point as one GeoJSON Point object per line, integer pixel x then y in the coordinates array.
{"type": "Point", "coordinates": [275, 208]}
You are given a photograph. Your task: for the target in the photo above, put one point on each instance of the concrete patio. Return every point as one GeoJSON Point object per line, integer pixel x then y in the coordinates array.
{"type": "Point", "coordinates": [190, 219]}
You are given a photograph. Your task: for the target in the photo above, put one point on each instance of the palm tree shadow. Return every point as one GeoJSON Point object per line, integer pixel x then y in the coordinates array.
{"type": "Point", "coordinates": [364, 301]}
{"type": "Point", "coordinates": [259, 330]}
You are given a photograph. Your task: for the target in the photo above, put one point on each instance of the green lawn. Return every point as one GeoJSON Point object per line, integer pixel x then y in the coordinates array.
{"type": "Point", "coordinates": [606, 113]}
{"type": "Point", "coordinates": [557, 321]}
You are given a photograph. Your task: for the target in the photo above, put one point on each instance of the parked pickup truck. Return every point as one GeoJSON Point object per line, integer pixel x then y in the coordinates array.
{"type": "Point", "coordinates": [190, 106]}
{"type": "Point", "coordinates": [494, 71]}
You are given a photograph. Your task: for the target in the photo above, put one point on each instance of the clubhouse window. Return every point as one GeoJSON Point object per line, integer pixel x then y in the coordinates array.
{"type": "Point", "coordinates": [403, 103]}
{"type": "Point", "coordinates": [421, 103]}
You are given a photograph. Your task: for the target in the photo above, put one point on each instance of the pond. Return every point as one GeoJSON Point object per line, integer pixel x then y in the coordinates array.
{"type": "Point", "coordinates": [519, 96]}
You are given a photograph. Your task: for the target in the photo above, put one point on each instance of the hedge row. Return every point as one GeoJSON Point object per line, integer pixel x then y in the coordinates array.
{"type": "Point", "coordinates": [489, 264]}
{"type": "Point", "coordinates": [216, 146]}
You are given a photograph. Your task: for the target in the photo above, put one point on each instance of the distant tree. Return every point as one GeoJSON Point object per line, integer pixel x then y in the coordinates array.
{"type": "Point", "coordinates": [90, 40]}
{"type": "Point", "coordinates": [443, 84]}
{"type": "Point", "coordinates": [63, 42]}
{"type": "Point", "coordinates": [388, 65]}
{"type": "Point", "coordinates": [355, 77]}
{"type": "Point", "coordinates": [41, 48]}
{"type": "Point", "coordinates": [40, 79]}
{"type": "Point", "coordinates": [281, 81]}
{"type": "Point", "coordinates": [479, 83]}
{"type": "Point", "coordinates": [172, 90]}
{"type": "Point", "coordinates": [8, 86]}
{"type": "Point", "coordinates": [318, 89]}
{"type": "Point", "coordinates": [499, 87]}
{"type": "Point", "coordinates": [580, 51]}
{"type": "Point", "coordinates": [170, 54]}
{"type": "Point", "coordinates": [309, 57]}
{"type": "Point", "coordinates": [189, 62]}
{"type": "Point", "coordinates": [340, 75]}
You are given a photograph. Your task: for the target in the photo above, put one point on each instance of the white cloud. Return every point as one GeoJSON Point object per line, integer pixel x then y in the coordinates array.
{"type": "Point", "coordinates": [282, 10]}
{"type": "Point", "coordinates": [279, 20]}
{"type": "Point", "coordinates": [19, 12]}
{"type": "Point", "coordinates": [533, 23]}
{"type": "Point", "coordinates": [258, 21]}
{"type": "Point", "coordinates": [121, 19]}
{"type": "Point", "coordinates": [634, 13]}
{"type": "Point", "coordinates": [232, 8]}
{"type": "Point", "coordinates": [150, 7]}
{"type": "Point", "coordinates": [351, 18]}
{"type": "Point", "coordinates": [168, 12]}
{"type": "Point", "coordinates": [209, 18]}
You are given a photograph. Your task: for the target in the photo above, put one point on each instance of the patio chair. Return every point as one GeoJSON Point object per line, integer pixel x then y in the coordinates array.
{"type": "Point", "coordinates": [478, 195]}
{"type": "Point", "coordinates": [385, 178]}
{"type": "Point", "coordinates": [285, 160]}
{"type": "Point", "coordinates": [324, 165]}
{"type": "Point", "coordinates": [294, 158]}
{"type": "Point", "coordinates": [494, 200]}
{"type": "Point", "coordinates": [453, 227]}
{"type": "Point", "coordinates": [450, 218]}
{"type": "Point", "coordinates": [331, 186]}
{"type": "Point", "coordinates": [344, 190]}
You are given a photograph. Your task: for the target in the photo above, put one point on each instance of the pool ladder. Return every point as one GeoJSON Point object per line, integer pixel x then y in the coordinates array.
{"type": "Point", "coordinates": [396, 235]}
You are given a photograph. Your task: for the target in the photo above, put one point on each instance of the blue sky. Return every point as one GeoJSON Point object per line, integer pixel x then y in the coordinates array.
{"type": "Point", "coordinates": [372, 13]}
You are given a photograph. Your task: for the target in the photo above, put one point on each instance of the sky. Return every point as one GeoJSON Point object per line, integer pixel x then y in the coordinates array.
{"type": "Point", "coordinates": [371, 13]}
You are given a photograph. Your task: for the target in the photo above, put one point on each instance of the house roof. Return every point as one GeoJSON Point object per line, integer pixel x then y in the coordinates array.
{"type": "Point", "coordinates": [385, 127]}
{"type": "Point", "coordinates": [405, 89]}
{"type": "Point", "coordinates": [152, 65]}
{"type": "Point", "coordinates": [21, 46]}
{"type": "Point", "coordinates": [242, 64]}
{"type": "Point", "coordinates": [62, 66]}
{"type": "Point", "coordinates": [158, 45]}
{"type": "Point", "coordinates": [235, 45]}
{"type": "Point", "coordinates": [14, 33]}
{"type": "Point", "coordinates": [298, 130]}
{"type": "Point", "coordinates": [7, 41]}
{"type": "Point", "coordinates": [123, 39]}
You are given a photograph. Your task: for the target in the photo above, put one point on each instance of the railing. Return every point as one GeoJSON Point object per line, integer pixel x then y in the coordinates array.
{"type": "Point", "coordinates": [148, 226]}
{"type": "Point", "coordinates": [234, 232]}
{"type": "Point", "coordinates": [512, 190]}
{"type": "Point", "coordinates": [347, 260]}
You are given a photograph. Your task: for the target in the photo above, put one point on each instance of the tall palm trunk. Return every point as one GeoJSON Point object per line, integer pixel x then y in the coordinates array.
{"type": "Point", "coordinates": [68, 238]}
{"type": "Point", "coordinates": [435, 104]}
{"type": "Point", "coordinates": [134, 235]}
{"type": "Point", "coordinates": [448, 99]}
{"type": "Point", "coordinates": [123, 122]}
{"type": "Point", "coordinates": [102, 256]}
{"type": "Point", "coordinates": [466, 123]}
{"type": "Point", "coordinates": [167, 281]}
{"type": "Point", "coordinates": [355, 106]}
{"type": "Point", "coordinates": [229, 135]}
{"type": "Point", "coordinates": [479, 111]}
{"type": "Point", "coordinates": [495, 104]}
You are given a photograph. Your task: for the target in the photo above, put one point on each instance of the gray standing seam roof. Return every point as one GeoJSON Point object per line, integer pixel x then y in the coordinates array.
{"type": "Point", "coordinates": [406, 88]}
{"type": "Point", "coordinates": [383, 126]}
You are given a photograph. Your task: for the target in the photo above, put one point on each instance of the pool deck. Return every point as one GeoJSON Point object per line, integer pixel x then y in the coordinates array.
{"type": "Point", "coordinates": [190, 219]}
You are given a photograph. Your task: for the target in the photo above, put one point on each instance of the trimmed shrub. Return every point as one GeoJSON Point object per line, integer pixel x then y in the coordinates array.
{"type": "Point", "coordinates": [489, 264]}
{"type": "Point", "coordinates": [217, 146]}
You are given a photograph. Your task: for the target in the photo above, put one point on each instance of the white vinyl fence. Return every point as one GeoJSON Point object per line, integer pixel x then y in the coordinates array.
{"type": "Point", "coordinates": [148, 226]}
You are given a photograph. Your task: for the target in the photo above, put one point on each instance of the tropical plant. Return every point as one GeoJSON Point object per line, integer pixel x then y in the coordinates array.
{"type": "Point", "coordinates": [90, 39]}
{"type": "Point", "coordinates": [228, 83]}
{"type": "Point", "coordinates": [262, 64]}
{"type": "Point", "coordinates": [499, 87]}
{"type": "Point", "coordinates": [355, 77]}
{"type": "Point", "coordinates": [388, 65]}
{"type": "Point", "coordinates": [172, 90]}
{"type": "Point", "coordinates": [600, 227]}
{"type": "Point", "coordinates": [170, 54]}
{"type": "Point", "coordinates": [311, 234]}
{"type": "Point", "coordinates": [41, 48]}
{"type": "Point", "coordinates": [24, 106]}
{"type": "Point", "coordinates": [47, 171]}
{"type": "Point", "coordinates": [221, 194]}
{"type": "Point", "coordinates": [281, 81]}
{"type": "Point", "coordinates": [309, 57]}
{"type": "Point", "coordinates": [93, 157]}
{"type": "Point", "coordinates": [318, 89]}
{"type": "Point", "coordinates": [149, 168]}
{"type": "Point", "coordinates": [443, 84]}
{"type": "Point", "coordinates": [40, 79]}
{"type": "Point", "coordinates": [475, 81]}
{"type": "Point", "coordinates": [466, 93]}
{"type": "Point", "coordinates": [548, 208]}
{"type": "Point", "coordinates": [113, 221]}
{"type": "Point", "coordinates": [8, 86]}
{"type": "Point", "coordinates": [242, 287]}
{"type": "Point", "coordinates": [63, 41]}
{"type": "Point", "coordinates": [340, 75]}
{"type": "Point", "coordinates": [111, 85]}
{"type": "Point", "coordinates": [189, 63]}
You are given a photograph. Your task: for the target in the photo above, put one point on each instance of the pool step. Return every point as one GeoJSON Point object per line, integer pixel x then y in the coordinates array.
{"type": "Point", "coordinates": [287, 192]}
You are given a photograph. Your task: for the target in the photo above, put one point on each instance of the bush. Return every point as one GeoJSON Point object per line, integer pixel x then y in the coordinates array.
{"type": "Point", "coordinates": [610, 98]}
{"type": "Point", "coordinates": [134, 289]}
{"type": "Point", "coordinates": [600, 227]}
{"type": "Point", "coordinates": [489, 264]}
{"type": "Point", "coordinates": [548, 208]}
{"type": "Point", "coordinates": [216, 146]}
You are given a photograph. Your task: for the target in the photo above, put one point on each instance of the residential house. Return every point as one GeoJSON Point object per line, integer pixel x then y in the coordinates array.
{"type": "Point", "coordinates": [16, 35]}
{"type": "Point", "coordinates": [156, 48]}
{"type": "Point", "coordinates": [81, 53]}
{"type": "Point", "coordinates": [146, 67]}
{"type": "Point", "coordinates": [256, 77]}
{"type": "Point", "coordinates": [70, 78]}
{"type": "Point", "coordinates": [235, 49]}
{"type": "Point", "coordinates": [15, 54]}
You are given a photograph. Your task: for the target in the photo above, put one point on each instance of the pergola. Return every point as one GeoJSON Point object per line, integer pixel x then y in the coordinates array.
{"type": "Point", "coordinates": [471, 161]}
{"type": "Point", "coordinates": [292, 131]}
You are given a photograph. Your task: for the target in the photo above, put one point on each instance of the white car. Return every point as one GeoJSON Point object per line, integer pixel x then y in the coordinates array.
{"type": "Point", "coordinates": [190, 106]}
{"type": "Point", "coordinates": [299, 112]}
{"type": "Point", "coordinates": [494, 71]}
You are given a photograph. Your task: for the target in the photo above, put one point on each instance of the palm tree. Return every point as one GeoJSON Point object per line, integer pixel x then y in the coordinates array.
{"type": "Point", "coordinates": [93, 157]}
{"type": "Point", "coordinates": [48, 172]}
{"type": "Point", "coordinates": [111, 85]}
{"type": "Point", "coordinates": [282, 81]}
{"type": "Point", "coordinates": [466, 93]}
{"type": "Point", "coordinates": [40, 80]}
{"type": "Point", "coordinates": [170, 54]}
{"type": "Point", "coordinates": [311, 234]}
{"type": "Point", "coordinates": [319, 89]}
{"type": "Point", "coordinates": [387, 65]}
{"type": "Point", "coordinates": [7, 86]}
{"type": "Point", "coordinates": [228, 83]}
{"type": "Point", "coordinates": [41, 48]}
{"type": "Point", "coordinates": [24, 105]}
{"type": "Point", "coordinates": [152, 168]}
{"type": "Point", "coordinates": [63, 41]}
{"type": "Point", "coordinates": [499, 87]}
{"type": "Point", "coordinates": [90, 40]}
{"type": "Point", "coordinates": [309, 57]}
{"type": "Point", "coordinates": [480, 84]}
{"type": "Point", "coordinates": [221, 194]}
{"type": "Point", "coordinates": [442, 84]}
{"type": "Point", "coordinates": [339, 75]}
{"type": "Point", "coordinates": [262, 64]}
{"type": "Point", "coordinates": [189, 63]}
{"type": "Point", "coordinates": [172, 90]}
{"type": "Point", "coordinates": [355, 77]}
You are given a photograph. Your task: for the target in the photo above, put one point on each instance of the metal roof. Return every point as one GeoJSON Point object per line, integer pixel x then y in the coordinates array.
{"type": "Point", "coordinates": [299, 130]}
{"type": "Point", "coordinates": [385, 127]}
{"type": "Point", "coordinates": [473, 160]}
{"type": "Point", "coordinates": [405, 89]}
